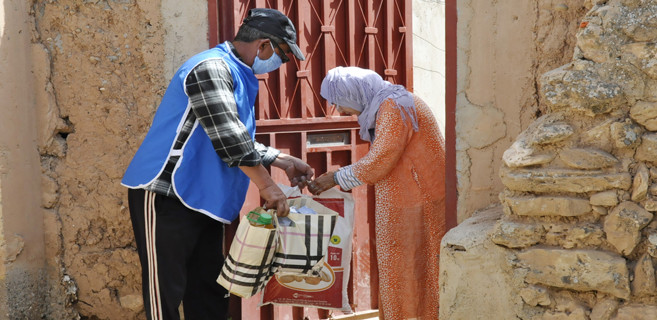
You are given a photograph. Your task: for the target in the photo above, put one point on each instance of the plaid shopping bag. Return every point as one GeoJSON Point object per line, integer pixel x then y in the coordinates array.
{"type": "Point", "coordinates": [247, 266]}
{"type": "Point", "coordinates": [304, 244]}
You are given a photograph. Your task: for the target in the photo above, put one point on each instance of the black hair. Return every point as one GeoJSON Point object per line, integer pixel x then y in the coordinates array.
{"type": "Point", "coordinates": [249, 34]}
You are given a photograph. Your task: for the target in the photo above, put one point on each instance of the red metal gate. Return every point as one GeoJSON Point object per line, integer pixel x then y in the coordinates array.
{"type": "Point", "coordinates": [293, 117]}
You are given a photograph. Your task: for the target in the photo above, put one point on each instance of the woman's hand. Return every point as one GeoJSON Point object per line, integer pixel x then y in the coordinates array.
{"type": "Point", "coordinates": [322, 183]}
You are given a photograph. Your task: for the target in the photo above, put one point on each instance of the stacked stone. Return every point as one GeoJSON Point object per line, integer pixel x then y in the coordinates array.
{"type": "Point", "coordinates": [581, 181]}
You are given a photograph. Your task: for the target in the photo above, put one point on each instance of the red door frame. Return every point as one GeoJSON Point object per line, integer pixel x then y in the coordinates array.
{"type": "Point", "coordinates": [451, 193]}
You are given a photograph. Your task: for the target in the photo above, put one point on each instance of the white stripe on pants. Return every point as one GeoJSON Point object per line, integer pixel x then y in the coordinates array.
{"type": "Point", "coordinates": [154, 288]}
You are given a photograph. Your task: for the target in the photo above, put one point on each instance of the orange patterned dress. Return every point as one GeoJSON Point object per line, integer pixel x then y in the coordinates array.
{"type": "Point", "coordinates": [407, 169]}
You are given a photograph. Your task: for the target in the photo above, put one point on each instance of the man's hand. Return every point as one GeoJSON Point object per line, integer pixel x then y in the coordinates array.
{"type": "Point", "coordinates": [298, 172]}
{"type": "Point", "coordinates": [269, 191]}
{"type": "Point", "coordinates": [275, 199]}
{"type": "Point", "coordinates": [322, 183]}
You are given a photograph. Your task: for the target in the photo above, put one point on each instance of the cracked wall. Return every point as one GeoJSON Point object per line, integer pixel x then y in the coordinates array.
{"type": "Point", "coordinates": [503, 48]}
{"type": "Point", "coordinates": [109, 64]}
{"type": "Point", "coordinates": [81, 81]}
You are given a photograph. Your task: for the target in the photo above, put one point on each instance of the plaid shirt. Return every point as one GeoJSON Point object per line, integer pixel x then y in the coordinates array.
{"type": "Point", "coordinates": [210, 89]}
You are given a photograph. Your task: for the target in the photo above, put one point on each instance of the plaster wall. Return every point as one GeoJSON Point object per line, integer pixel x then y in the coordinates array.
{"type": "Point", "coordinates": [21, 219]}
{"type": "Point", "coordinates": [503, 48]}
{"type": "Point", "coordinates": [185, 32]}
{"type": "Point", "coordinates": [98, 73]}
{"type": "Point", "coordinates": [429, 55]}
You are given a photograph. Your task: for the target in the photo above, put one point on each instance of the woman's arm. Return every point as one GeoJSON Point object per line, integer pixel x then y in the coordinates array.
{"type": "Point", "coordinates": [391, 136]}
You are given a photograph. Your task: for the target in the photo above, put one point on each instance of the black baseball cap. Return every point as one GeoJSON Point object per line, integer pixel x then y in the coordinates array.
{"type": "Point", "coordinates": [277, 24]}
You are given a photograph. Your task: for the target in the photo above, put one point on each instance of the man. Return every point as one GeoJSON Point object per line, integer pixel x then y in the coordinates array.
{"type": "Point", "coordinates": [192, 171]}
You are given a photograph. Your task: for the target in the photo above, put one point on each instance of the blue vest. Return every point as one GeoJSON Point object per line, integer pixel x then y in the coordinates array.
{"type": "Point", "coordinates": [201, 180]}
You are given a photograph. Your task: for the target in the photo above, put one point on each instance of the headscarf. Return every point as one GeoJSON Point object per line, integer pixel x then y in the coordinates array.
{"type": "Point", "coordinates": [364, 90]}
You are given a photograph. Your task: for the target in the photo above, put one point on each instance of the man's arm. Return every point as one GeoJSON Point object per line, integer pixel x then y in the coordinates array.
{"type": "Point", "coordinates": [210, 89]}
{"type": "Point", "coordinates": [296, 169]}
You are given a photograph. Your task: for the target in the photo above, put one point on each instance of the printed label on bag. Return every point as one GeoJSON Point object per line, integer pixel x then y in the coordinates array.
{"type": "Point", "coordinates": [323, 281]}
{"type": "Point", "coordinates": [335, 256]}
{"type": "Point", "coordinates": [322, 291]}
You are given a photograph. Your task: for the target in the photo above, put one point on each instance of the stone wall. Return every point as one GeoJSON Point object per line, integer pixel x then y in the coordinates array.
{"type": "Point", "coordinates": [503, 48]}
{"type": "Point", "coordinates": [579, 183]}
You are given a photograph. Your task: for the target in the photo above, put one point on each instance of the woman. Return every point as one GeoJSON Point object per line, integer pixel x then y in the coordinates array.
{"type": "Point", "coordinates": [406, 165]}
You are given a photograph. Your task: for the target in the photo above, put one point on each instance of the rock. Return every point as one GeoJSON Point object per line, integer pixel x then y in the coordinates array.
{"type": "Point", "coordinates": [587, 159]}
{"type": "Point", "coordinates": [521, 156]}
{"type": "Point", "coordinates": [516, 234]}
{"type": "Point", "coordinates": [554, 180]}
{"type": "Point", "coordinates": [645, 114]}
{"type": "Point", "coordinates": [652, 244]}
{"type": "Point", "coordinates": [651, 90]}
{"type": "Point", "coordinates": [626, 134]}
{"type": "Point", "coordinates": [605, 198]}
{"type": "Point", "coordinates": [636, 312]}
{"type": "Point", "coordinates": [573, 314]}
{"type": "Point", "coordinates": [465, 251]}
{"type": "Point", "coordinates": [603, 310]}
{"type": "Point", "coordinates": [630, 78]}
{"type": "Point", "coordinates": [639, 24]}
{"type": "Point", "coordinates": [545, 130]}
{"type": "Point", "coordinates": [576, 86]}
{"type": "Point", "coordinates": [535, 295]}
{"type": "Point", "coordinates": [653, 189]}
{"type": "Point", "coordinates": [650, 205]}
{"type": "Point", "coordinates": [590, 41]}
{"type": "Point", "coordinates": [644, 277]}
{"type": "Point", "coordinates": [647, 151]}
{"type": "Point", "coordinates": [623, 226]}
{"type": "Point", "coordinates": [548, 206]}
{"type": "Point", "coordinates": [580, 270]}
{"type": "Point", "coordinates": [599, 136]}
{"type": "Point", "coordinates": [571, 236]}
{"type": "Point", "coordinates": [640, 183]}
{"type": "Point", "coordinates": [551, 133]}
{"type": "Point", "coordinates": [600, 210]}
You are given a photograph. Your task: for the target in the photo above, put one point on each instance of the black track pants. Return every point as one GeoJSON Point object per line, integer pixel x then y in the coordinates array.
{"type": "Point", "coordinates": [180, 251]}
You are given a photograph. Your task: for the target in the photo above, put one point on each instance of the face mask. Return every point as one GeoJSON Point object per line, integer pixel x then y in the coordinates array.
{"type": "Point", "coordinates": [266, 66]}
